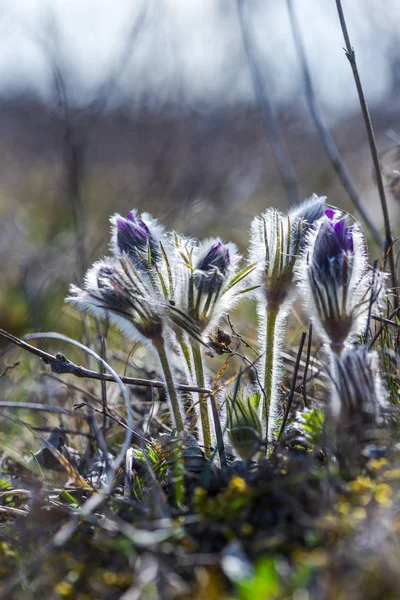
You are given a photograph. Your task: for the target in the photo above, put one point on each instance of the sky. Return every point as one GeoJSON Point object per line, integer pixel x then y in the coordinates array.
{"type": "Point", "coordinates": [192, 50]}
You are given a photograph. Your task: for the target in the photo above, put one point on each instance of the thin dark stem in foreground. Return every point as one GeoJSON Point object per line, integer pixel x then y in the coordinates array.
{"type": "Point", "coordinates": [271, 123]}
{"type": "Point", "coordinates": [372, 299]}
{"type": "Point", "coordinates": [293, 386]}
{"type": "Point", "coordinates": [325, 137]}
{"type": "Point", "coordinates": [34, 428]}
{"type": "Point", "coordinates": [372, 144]}
{"type": "Point", "coordinates": [218, 432]}
{"type": "Point", "coordinates": [60, 364]}
{"type": "Point", "coordinates": [378, 333]}
{"type": "Point", "coordinates": [304, 383]}
{"type": "Point", "coordinates": [103, 353]}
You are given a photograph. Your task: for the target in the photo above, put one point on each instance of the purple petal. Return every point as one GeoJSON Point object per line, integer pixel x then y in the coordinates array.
{"type": "Point", "coordinates": [330, 213]}
{"type": "Point", "coordinates": [349, 239]}
{"type": "Point", "coordinates": [340, 228]}
{"type": "Point", "coordinates": [131, 216]}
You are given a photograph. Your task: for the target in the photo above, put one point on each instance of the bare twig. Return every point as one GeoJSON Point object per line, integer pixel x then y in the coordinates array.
{"type": "Point", "coordinates": [15, 512]}
{"type": "Point", "coordinates": [270, 120]}
{"type": "Point", "coordinates": [293, 386]}
{"type": "Point", "coordinates": [34, 428]}
{"type": "Point", "coordinates": [36, 406]}
{"type": "Point", "coordinates": [381, 328]}
{"type": "Point", "coordinates": [130, 421]}
{"type": "Point", "coordinates": [103, 353]}
{"type": "Point", "coordinates": [372, 144]}
{"type": "Point", "coordinates": [304, 383]}
{"type": "Point", "coordinates": [386, 321]}
{"type": "Point", "coordinates": [60, 364]}
{"type": "Point", "coordinates": [106, 90]}
{"type": "Point", "coordinates": [9, 368]}
{"type": "Point", "coordinates": [236, 334]}
{"type": "Point", "coordinates": [325, 137]}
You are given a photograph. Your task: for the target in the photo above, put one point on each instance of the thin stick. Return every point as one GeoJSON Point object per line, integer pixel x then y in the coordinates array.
{"type": "Point", "coordinates": [372, 299]}
{"type": "Point", "coordinates": [270, 120]}
{"type": "Point", "coordinates": [218, 433]}
{"type": "Point", "coordinates": [60, 364]}
{"type": "Point", "coordinates": [130, 421]}
{"type": "Point", "coordinates": [103, 354]}
{"type": "Point", "coordinates": [41, 407]}
{"type": "Point", "coordinates": [203, 408]}
{"type": "Point", "coordinates": [372, 144]}
{"type": "Point", "coordinates": [325, 137]}
{"type": "Point", "coordinates": [304, 383]}
{"type": "Point", "coordinates": [34, 428]}
{"type": "Point", "coordinates": [381, 328]}
{"type": "Point", "coordinates": [293, 386]}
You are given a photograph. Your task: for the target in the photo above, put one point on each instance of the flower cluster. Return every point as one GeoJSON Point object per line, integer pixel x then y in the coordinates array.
{"type": "Point", "coordinates": [276, 241]}
{"type": "Point", "coordinates": [165, 291]}
{"type": "Point", "coordinates": [171, 293]}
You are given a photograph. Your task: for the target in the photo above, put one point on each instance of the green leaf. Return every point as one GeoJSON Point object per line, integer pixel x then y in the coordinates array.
{"type": "Point", "coordinates": [241, 275]}
{"type": "Point", "coordinates": [68, 497]}
{"type": "Point", "coordinates": [250, 289]}
{"type": "Point", "coordinates": [264, 584]}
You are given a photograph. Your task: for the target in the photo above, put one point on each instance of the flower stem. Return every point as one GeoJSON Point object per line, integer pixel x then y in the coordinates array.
{"type": "Point", "coordinates": [204, 416]}
{"type": "Point", "coordinates": [270, 358]}
{"type": "Point", "coordinates": [170, 385]}
{"type": "Point", "coordinates": [186, 355]}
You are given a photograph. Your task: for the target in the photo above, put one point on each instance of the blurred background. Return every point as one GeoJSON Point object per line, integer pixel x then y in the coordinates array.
{"type": "Point", "coordinates": [179, 108]}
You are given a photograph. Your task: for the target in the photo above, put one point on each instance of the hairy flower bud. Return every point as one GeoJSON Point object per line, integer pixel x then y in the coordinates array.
{"type": "Point", "coordinates": [336, 281]}
{"type": "Point", "coordinates": [115, 289]}
{"type": "Point", "coordinates": [358, 396]}
{"type": "Point", "coordinates": [208, 283]}
{"type": "Point", "coordinates": [211, 269]}
{"type": "Point", "coordinates": [138, 237]}
{"type": "Point", "coordinates": [244, 426]}
{"type": "Point", "coordinates": [276, 242]}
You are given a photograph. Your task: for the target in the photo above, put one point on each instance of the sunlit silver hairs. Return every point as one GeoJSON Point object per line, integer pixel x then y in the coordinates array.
{"type": "Point", "coordinates": [336, 282]}
{"type": "Point", "coordinates": [170, 292]}
{"type": "Point", "coordinates": [209, 284]}
{"type": "Point", "coordinates": [358, 396]}
{"type": "Point", "coordinates": [244, 431]}
{"type": "Point", "coordinates": [275, 245]}
{"type": "Point", "coordinates": [167, 292]}
{"type": "Point", "coordinates": [138, 237]}
{"type": "Point", "coordinates": [126, 288]}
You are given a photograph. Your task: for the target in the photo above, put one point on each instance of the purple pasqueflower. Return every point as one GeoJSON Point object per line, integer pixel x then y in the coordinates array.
{"type": "Point", "coordinates": [211, 269]}
{"type": "Point", "coordinates": [344, 235]}
{"type": "Point", "coordinates": [336, 282]}
{"type": "Point", "coordinates": [333, 250]}
{"type": "Point", "coordinates": [135, 238]}
{"type": "Point", "coordinates": [114, 289]}
{"type": "Point", "coordinates": [208, 283]}
{"type": "Point", "coordinates": [216, 258]}
{"type": "Point", "coordinates": [333, 245]}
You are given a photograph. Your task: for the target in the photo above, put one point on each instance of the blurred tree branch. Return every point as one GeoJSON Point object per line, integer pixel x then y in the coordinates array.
{"type": "Point", "coordinates": [325, 137]}
{"type": "Point", "coordinates": [270, 119]}
{"type": "Point", "coordinates": [60, 364]}
{"type": "Point", "coordinates": [372, 144]}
